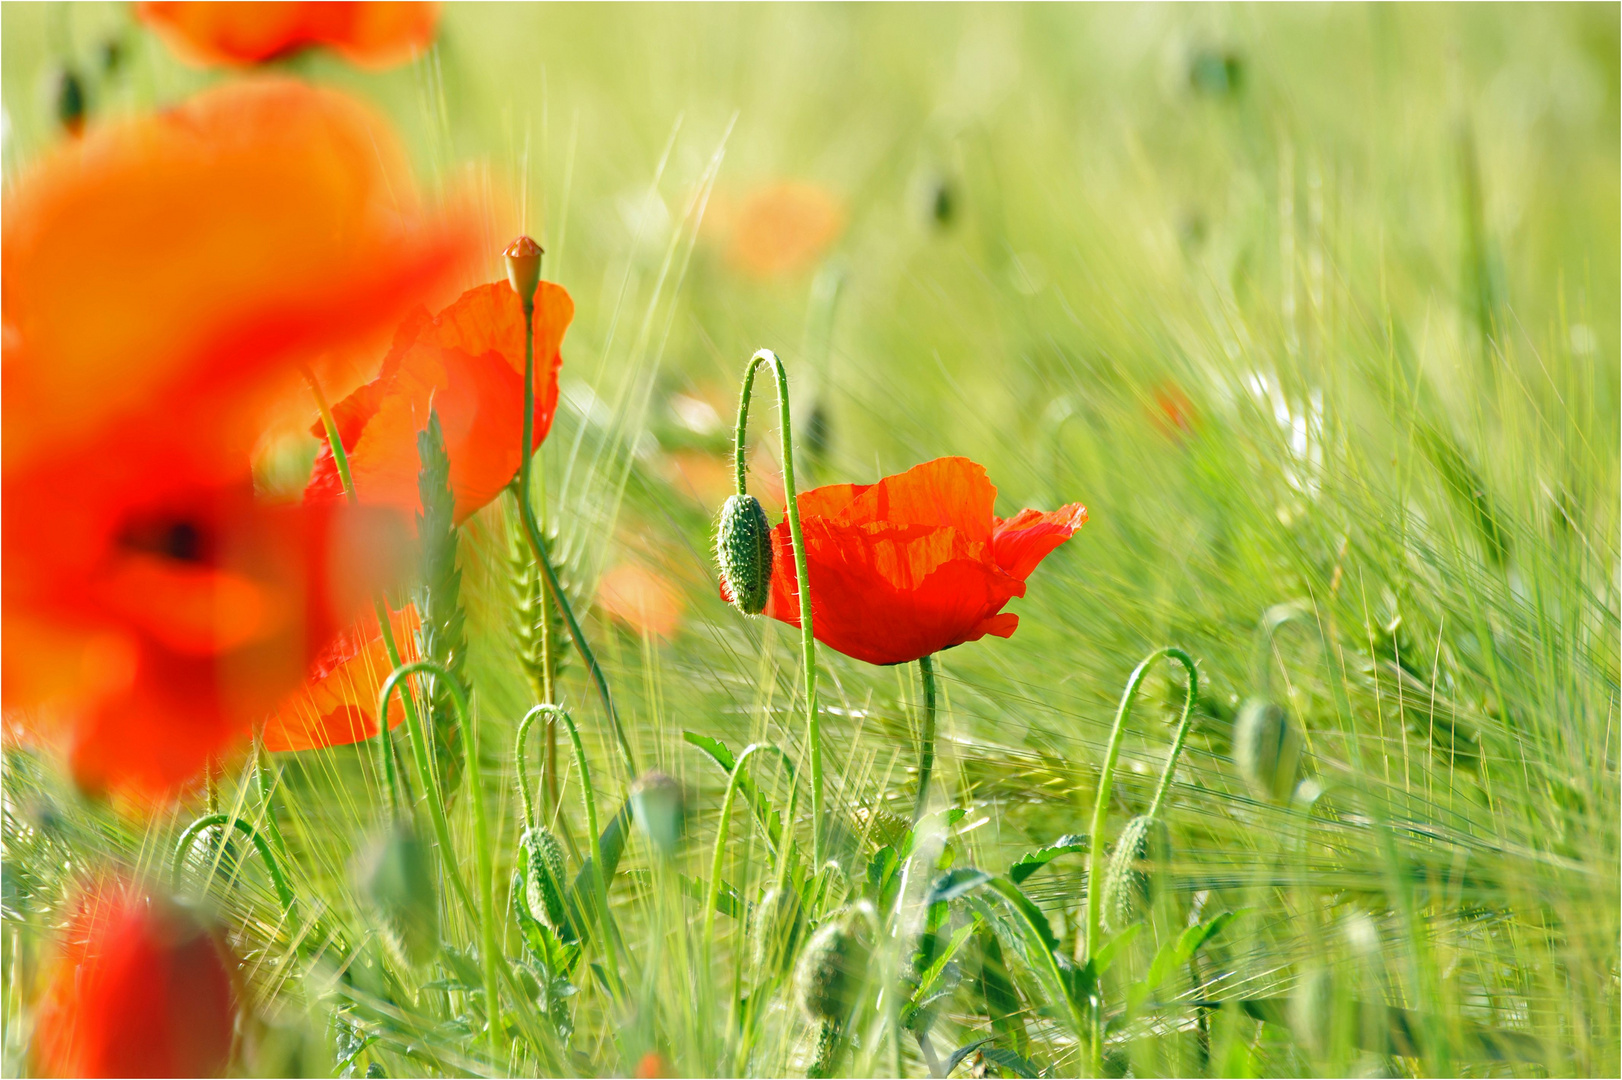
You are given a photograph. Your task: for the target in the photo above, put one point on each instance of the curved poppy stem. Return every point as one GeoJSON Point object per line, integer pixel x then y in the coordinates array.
{"type": "Point", "coordinates": [340, 460]}
{"type": "Point", "coordinates": [537, 542]}
{"type": "Point", "coordinates": [808, 653]}
{"type": "Point", "coordinates": [713, 895]}
{"type": "Point", "coordinates": [926, 741]}
{"type": "Point", "coordinates": [284, 892]}
{"type": "Point", "coordinates": [588, 799]}
{"type": "Point", "coordinates": [485, 911]}
{"type": "Point", "coordinates": [1095, 860]}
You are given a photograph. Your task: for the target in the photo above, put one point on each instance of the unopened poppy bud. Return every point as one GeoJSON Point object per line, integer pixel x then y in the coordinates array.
{"type": "Point", "coordinates": [1267, 749]}
{"type": "Point", "coordinates": [68, 101]}
{"type": "Point", "coordinates": [396, 877]}
{"type": "Point", "coordinates": [779, 924]}
{"type": "Point", "coordinates": [524, 268]}
{"type": "Point", "coordinates": [833, 968]}
{"type": "Point", "coordinates": [1133, 877]}
{"type": "Point", "coordinates": [660, 808]}
{"type": "Point", "coordinates": [543, 878]}
{"type": "Point", "coordinates": [743, 544]}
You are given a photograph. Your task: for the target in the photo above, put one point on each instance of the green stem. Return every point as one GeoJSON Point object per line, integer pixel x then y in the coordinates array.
{"type": "Point", "coordinates": [340, 459]}
{"type": "Point", "coordinates": [485, 911]}
{"type": "Point", "coordinates": [588, 797]}
{"type": "Point", "coordinates": [926, 741]}
{"type": "Point", "coordinates": [1095, 862]}
{"type": "Point", "coordinates": [261, 768]}
{"type": "Point", "coordinates": [284, 892]}
{"type": "Point", "coordinates": [537, 542]}
{"type": "Point", "coordinates": [522, 765]}
{"type": "Point", "coordinates": [713, 896]}
{"type": "Point", "coordinates": [808, 654]}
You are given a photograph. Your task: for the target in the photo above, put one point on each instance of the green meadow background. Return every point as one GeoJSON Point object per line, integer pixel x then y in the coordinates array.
{"type": "Point", "coordinates": [1315, 308]}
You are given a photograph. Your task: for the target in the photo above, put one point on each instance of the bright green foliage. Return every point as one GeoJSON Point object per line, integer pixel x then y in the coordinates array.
{"type": "Point", "coordinates": [443, 635]}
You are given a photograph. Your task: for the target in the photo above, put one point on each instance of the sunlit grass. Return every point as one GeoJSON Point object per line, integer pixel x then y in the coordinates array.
{"type": "Point", "coordinates": [1316, 311]}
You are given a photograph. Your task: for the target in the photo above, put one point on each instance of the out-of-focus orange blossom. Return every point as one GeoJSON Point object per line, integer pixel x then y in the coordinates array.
{"type": "Point", "coordinates": [373, 34]}
{"type": "Point", "coordinates": [780, 229]}
{"type": "Point", "coordinates": [642, 599]}
{"type": "Point", "coordinates": [337, 705]}
{"type": "Point", "coordinates": [165, 279]}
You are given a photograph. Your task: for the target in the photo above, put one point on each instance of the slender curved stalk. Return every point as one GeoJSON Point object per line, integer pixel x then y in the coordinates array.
{"type": "Point", "coordinates": [340, 459]}
{"type": "Point", "coordinates": [520, 763]}
{"type": "Point", "coordinates": [284, 892]}
{"type": "Point", "coordinates": [537, 542]}
{"type": "Point", "coordinates": [485, 911]}
{"type": "Point", "coordinates": [588, 797]}
{"type": "Point", "coordinates": [808, 653]}
{"type": "Point", "coordinates": [926, 741]}
{"type": "Point", "coordinates": [1095, 861]}
{"type": "Point", "coordinates": [713, 894]}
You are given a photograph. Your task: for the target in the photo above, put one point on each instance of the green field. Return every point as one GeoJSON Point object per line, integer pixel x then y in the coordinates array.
{"type": "Point", "coordinates": [1314, 308]}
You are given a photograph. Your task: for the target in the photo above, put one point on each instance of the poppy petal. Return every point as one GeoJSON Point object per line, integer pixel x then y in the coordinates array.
{"type": "Point", "coordinates": [1028, 537]}
{"type": "Point", "coordinates": [374, 34]}
{"type": "Point", "coordinates": [337, 705]}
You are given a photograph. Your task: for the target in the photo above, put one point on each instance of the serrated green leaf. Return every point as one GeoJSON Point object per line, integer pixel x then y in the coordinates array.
{"type": "Point", "coordinates": [1032, 861]}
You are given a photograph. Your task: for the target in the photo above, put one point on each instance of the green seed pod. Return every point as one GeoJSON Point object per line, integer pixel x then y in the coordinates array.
{"type": "Point", "coordinates": [1267, 749]}
{"type": "Point", "coordinates": [543, 878]}
{"type": "Point", "coordinates": [833, 968]}
{"type": "Point", "coordinates": [743, 544]}
{"type": "Point", "coordinates": [779, 924]}
{"type": "Point", "coordinates": [1136, 871]}
{"type": "Point", "coordinates": [396, 877]}
{"type": "Point", "coordinates": [660, 809]}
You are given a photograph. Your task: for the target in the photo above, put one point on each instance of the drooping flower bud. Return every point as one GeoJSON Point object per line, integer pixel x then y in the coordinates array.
{"type": "Point", "coordinates": [660, 809]}
{"type": "Point", "coordinates": [543, 879]}
{"type": "Point", "coordinates": [396, 878]}
{"type": "Point", "coordinates": [68, 101]}
{"type": "Point", "coordinates": [779, 924]}
{"type": "Point", "coordinates": [743, 545]}
{"type": "Point", "coordinates": [1136, 871]}
{"type": "Point", "coordinates": [523, 257]}
{"type": "Point", "coordinates": [833, 968]}
{"type": "Point", "coordinates": [1267, 749]}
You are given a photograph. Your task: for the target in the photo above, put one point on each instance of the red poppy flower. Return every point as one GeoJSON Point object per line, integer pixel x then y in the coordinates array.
{"type": "Point", "coordinates": [143, 989]}
{"type": "Point", "coordinates": [913, 564]}
{"type": "Point", "coordinates": [163, 281]}
{"type": "Point", "coordinates": [337, 705]}
{"type": "Point", "coordinates": [373, 34]}
{"type": "Point", "coordinates": [467, 364]}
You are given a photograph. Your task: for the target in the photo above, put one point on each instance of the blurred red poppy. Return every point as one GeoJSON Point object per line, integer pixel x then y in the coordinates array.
{"type": "Point", "coordinates": [337, 705]}
{"type": "Point", "coordinates": [913, 564]}
{"type": "Point", "coordinates": [163, 281]}
{"type": "Point", "coordinates": [642, 599]}
{"type": "Point", "coordinates": [373, 34]}
{"type": "Point", "coordinates": [142, 989]}
{"type": "Point", "coordinates": [467, 364]}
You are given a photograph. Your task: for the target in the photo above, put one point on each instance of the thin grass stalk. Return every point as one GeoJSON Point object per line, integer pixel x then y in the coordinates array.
{"type": "Point", "coordinates": [1095, 860]}
{"type": "Point", "coordinates": [284, 892]}
{"type": "Point", "coordinates": [926, 739]}
{"type": "Point", "coordinates": [485, 912]}
{"type": "Point", "coordinates": [808, 655]}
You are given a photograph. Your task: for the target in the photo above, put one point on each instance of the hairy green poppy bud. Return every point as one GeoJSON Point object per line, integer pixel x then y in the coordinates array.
{"type": "Point", "coordinates": [660, 808]}
{"type": "Point", "coordinates": [523, 257]}
{"type": "Point", "coordinates": [1136, 866]}
{"type": "Point", "coordinates": [543, 878]}
{"type": "Point", "coordinates": [396, 877]}
{"type": "Point", "coordinates": [1267, 749]}
{"type": "Point", "coordinates": [779, 924]}
{"type": "Point", "coordinates": [743, 544]}
{"type": "Point", "coordinates": [833, 968]}
{"type": "Point", "coordinates": [68, 101]}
